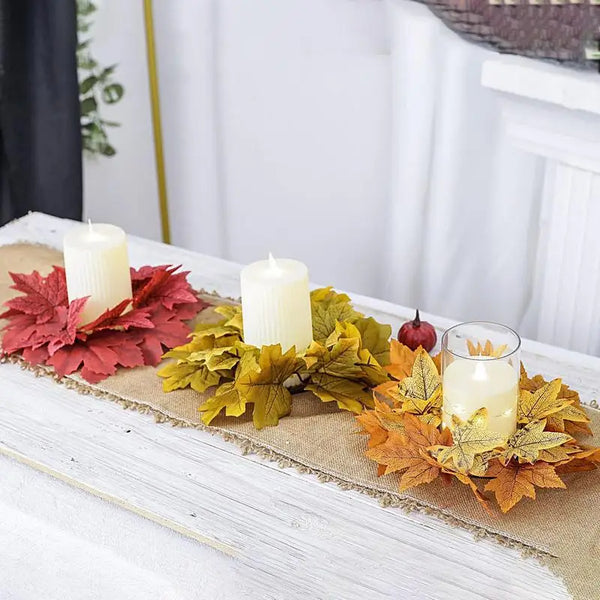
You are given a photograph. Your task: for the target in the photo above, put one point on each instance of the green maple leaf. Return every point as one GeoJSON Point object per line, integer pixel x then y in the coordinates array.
{"type": "Point", "coordinates": [263, 386]}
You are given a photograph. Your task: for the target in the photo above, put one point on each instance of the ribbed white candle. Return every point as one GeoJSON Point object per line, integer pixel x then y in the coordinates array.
{"type": "Point", "coordinates": [97, 265]}
{"type": "Point", "coordinates": [470, 384]}
{"type": "Point", "coordinates": [276, 304]}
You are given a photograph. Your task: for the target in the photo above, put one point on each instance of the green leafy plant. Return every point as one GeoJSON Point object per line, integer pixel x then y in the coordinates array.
{"type": "Point", "coordinates": [96, 86]}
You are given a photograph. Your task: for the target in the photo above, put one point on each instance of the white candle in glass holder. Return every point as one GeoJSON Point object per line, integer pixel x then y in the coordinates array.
{"type": "Point", "coordinates": [470, 384]}
{"type": "Point", "coordinates": [97, 265]}
{"type": "Point", "coordinates": [276, 304]}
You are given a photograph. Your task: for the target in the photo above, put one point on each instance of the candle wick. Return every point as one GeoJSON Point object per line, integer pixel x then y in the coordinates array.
{"type": "Point", "coordinates": [273, 263]}
{"type": "Point", "coordinates": [90, 226]}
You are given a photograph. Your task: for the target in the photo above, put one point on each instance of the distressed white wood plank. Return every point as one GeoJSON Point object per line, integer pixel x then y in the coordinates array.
{"type": "Point", "coordinates": [290, 536]}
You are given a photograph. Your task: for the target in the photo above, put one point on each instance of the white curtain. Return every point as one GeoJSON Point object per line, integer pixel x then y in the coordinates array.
{"type": "Point", "coordinates": [352, 135]}
{"type": "Point", "coordinates": [463, 216]}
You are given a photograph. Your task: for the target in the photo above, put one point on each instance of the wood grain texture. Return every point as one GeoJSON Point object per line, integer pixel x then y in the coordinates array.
{"type": "Point", "coordinates": [288, 535]}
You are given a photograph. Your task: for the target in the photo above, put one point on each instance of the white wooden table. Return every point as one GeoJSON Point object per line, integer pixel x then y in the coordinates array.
{"type": "Point", "coordinates": [100, 502]}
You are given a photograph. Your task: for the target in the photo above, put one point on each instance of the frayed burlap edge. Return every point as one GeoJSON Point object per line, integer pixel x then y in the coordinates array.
{"type": "Point", "coordinates": [385, 498]}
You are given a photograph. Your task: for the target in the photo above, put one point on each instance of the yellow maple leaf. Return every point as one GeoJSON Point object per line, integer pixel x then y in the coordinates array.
{"type": "Point", "coordinates": [349, 395]}
{"type": "Point", "coordinates": [469, 439]}
{"type": "Point", "coordinates": [422, 391]}
{"type": "Point", "coordinates": [514, 481]}
{"type": "Point", "coordinates": [226, 397]}
{"type": "Point", "coordinates": [375, 337]}
{"type": "Point", "coordinates": [232, 314]}
{"type": "Point", "coordinates": [328, 308]}
{"type": "Point", "coordinates": [264, 387]}
{"type": "Point", "coordinates": [526, 443]}
{"type": "Point", "coordinates": [541, 403]}
{"type": "Point", "coordinates": [486, 350]}
{"type": "Point", "coordinates": [340, 360]}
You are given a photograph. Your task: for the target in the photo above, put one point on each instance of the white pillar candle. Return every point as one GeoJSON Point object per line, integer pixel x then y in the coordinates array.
{"type": "Point", "coordinates": [97, 265]}
{"type": "Point", "coordinates": [470, 384]}
{"type": "Point", "coordinates": [276, 304]}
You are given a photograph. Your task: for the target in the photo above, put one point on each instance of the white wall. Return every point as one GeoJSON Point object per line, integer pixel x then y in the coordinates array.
{"type": "Point", "coordinates": [276, 129]}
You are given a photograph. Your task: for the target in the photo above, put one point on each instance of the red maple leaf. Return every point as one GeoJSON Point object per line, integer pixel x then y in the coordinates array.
{"type": "Point", "coordinates": [42, 295]}
{"type": "Point", "coordinates": [169, 331]}
{"type": "Point", "coordinates": [114, 318]}
{"type": "Point", "coordinates": [43, 325]}
{"type": "Point", "coordinates": [161, 285]}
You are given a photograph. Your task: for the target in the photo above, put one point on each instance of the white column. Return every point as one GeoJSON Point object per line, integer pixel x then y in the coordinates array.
{"type": "Point", "coordinates": [555, 113]}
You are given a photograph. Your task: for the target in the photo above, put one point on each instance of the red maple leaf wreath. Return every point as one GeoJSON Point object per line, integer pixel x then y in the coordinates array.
{"type": "Point", "coordinates": [43, 326]}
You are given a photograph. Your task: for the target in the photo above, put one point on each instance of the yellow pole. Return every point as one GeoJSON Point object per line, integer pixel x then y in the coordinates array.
{"type": "Point", "coordinates": [156, 123]}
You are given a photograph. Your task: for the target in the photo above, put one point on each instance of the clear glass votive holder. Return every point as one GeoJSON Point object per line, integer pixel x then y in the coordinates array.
{"type": "Point", "coordinates": [481, 368]}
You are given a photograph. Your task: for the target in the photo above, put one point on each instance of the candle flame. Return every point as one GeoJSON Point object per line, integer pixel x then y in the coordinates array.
{"type": "Point", "coordinates": [480, 373]}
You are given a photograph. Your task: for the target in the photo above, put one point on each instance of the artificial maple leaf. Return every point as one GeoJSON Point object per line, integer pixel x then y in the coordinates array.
{"type": "Point", "coordinates": [398, 453]}
{"type": "Point", "coordinates": [264, 387]}
{"type": "Point", "coordinates": [566, 418]}
{"type": "Point", "coordinates": [328, 308]}
{"type": "Point", "coordinates": [371, 426]}
{"type": "Point", "coordinates": [373, 374]}
{"type": "Point", "coordinates": [402, 359]}
{"type": "Point", "coordinates": [388, 389]}
{"type": "Point", "coordinates": [42, 295]}
{"type": "Point", "coordinates": [514, 481]}
{"type": "Point", "coordinates": [226, 397]}
{"type": "Point", "coordinates": [526, 443]}
{"type": "Point", "coordinates": [486, 350]}
{"type": "Point", "coordinates": [233, 316]}
{"type": "Point", "coordinates": [161, 285]}
{"type": "Point", "coordinates": [437, 361]}
{"type": "Point", "coordinates": [391, 419]}
{"type": "Point", "coordinates": [557, 454]}
{"type": "Point", "coordinates": [178, 375]}
{"type": "Point", "coordinates": [349, 395]}
{"type": "Point", "coordinates": [585, 458]}
{"type": "Point", "coordinates": [543, 402]}
{"type": "Point", "coordinates": [422, 391]}
{"type": "Point", "coordinates": [408, 452]}
{"type": "Point", "coordinates": [341, 360]}
{"type": "Point", "coordinates": [168, 331]}
{"type": "Point", "coordinates": [572, 418]}
{"type": "Point", "coordinates": [469, 439]}
{"type": "Point", "coordinates": [375, 338]}
{"type": "Point", "coordinates": [98, 357]}
{"type": "Point", "coordinates": [114, 318]}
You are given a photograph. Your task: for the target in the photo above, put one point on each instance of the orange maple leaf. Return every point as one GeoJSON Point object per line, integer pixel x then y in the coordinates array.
{"type": "Point", "coordinates": [408, 452]}
{"type": "Point", "coordinates": [514, 481]}
{"type": "Point", "coordinates": [402, 359]}
{"type": "Point", "coordinates": [586, 460]}
{"type": "Point", "coordinates": [372, 427]}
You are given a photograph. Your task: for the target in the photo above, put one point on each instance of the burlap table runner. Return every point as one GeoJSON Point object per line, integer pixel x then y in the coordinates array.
{"type": "Point", "coordinates": [561, 527]}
